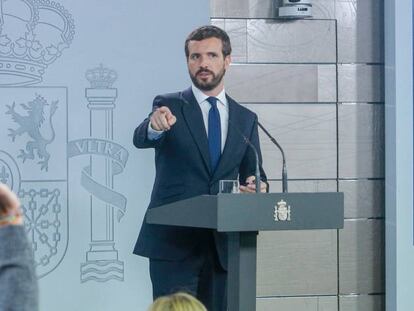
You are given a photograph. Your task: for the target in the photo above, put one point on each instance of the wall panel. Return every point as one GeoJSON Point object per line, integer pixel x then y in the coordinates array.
{"type": "Point", "coordinates": [361, 141]}
{"type": "Point", "coordinates": [322, 9]}
{"type": "Point", "coordinates": [361, 257]}
{"type": "Point", "coordinates": [307, 133]}
{"type": "Point", "coordinates": [360, 83]}
{"type": "Point", "coordinates": [282, 270]}
{"type": "Point", "coordinates": [282, 83]}
{"type": "Point", "coordinates": [305, 41]}
{"type": "Point", "coordinates": [363, 198]}
{"type": "Point", "coordinates": [323, 303]}
{"type": "Point", "coordinates": [304, 185]}
{"type": "Point", "coordinates": [360, 31]}
{"type": "Point", "coordinates": [362, 303]}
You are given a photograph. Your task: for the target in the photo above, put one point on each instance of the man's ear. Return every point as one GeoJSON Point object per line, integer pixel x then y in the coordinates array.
{"type": "Point", "coordinates": [227, 61]}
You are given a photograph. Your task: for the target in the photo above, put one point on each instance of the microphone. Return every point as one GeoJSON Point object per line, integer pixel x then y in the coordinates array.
{"type": "Point", "coordinates": [256, 154]}
{"type": "Point", "coordinates": [284, 170]}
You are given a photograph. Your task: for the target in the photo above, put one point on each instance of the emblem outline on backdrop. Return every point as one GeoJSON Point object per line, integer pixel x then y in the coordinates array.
{"type": "Point", "coordinates": [33, 35]}
{"type": "Point", "coordinates": [102, 262]}
{"type": "Point", "coordinates": [29, 43]}
{"type": "Point", "coordinates": [44, 200]}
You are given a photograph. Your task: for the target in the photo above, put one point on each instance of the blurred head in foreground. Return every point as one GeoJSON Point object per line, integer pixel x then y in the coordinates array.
{"type": "Point", "coordinates": [177, 302]}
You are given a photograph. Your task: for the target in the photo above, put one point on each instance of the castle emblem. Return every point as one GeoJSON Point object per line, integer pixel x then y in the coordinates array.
{"type": "Point", "coordinates": [33, 34]}
{"type": "Point", "coordinates": [282, 211]}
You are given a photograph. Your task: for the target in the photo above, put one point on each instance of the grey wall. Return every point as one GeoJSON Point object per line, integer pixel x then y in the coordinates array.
{"type": "Point", "coordinates": [317, 85]}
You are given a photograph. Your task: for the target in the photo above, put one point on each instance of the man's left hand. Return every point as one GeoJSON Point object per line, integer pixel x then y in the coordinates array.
{"type": "Point", "coordinates": [250, 186]}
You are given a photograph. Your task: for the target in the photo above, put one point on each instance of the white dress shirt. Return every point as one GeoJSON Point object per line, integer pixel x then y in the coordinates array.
{"type": "Point", "coordinates": [222, 106]}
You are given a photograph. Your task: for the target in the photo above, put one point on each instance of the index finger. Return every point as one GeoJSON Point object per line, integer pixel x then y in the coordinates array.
{"type": "Point", "coordinates": [164, 109]}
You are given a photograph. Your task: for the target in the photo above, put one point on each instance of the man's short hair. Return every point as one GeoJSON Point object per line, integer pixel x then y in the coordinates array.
{"type": "Point", "coordinates": [206, 32]}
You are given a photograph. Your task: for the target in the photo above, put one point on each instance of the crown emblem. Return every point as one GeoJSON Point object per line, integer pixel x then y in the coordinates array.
{"type": "Point", "coordinates": [33, 34]}
{"type": "Point", "coordinates": [101, 77]}
{"type": "Point", "coordinates": [281, 211]}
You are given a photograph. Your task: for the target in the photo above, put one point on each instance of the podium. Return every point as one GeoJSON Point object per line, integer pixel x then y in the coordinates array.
{"type": "Point", "coordinates": [241, 216]}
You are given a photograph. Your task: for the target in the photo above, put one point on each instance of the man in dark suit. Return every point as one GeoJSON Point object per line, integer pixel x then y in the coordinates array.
{"type": "Point", "coordinates": [197, 139]}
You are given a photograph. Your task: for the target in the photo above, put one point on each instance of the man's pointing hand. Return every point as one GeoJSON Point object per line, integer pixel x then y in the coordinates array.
{"type": "Point", "coordinates": [162, 119]}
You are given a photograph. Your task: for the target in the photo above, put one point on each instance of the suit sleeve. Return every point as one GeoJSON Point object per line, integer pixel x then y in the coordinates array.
{"type": "Point", "coordinates": [140, 138]}
{"type": "Point", "coordinates": [18, 283]}
{"type": "Point", "coordinates": [248, 164]}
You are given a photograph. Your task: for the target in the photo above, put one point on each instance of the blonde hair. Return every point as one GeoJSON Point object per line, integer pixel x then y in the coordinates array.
{"type": "Point", "coordinates": [177, 302]}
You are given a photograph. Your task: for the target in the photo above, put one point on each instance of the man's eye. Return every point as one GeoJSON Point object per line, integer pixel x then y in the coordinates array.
{"type": "Point", "coordinates": [194, 56]}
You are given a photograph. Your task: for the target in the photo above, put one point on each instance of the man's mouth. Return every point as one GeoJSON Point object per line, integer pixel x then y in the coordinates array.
{"type": "Point", "coordinates": [204, 74]}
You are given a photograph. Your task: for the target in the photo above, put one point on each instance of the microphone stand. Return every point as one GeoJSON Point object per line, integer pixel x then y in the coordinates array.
{"type": "Point", "coordinates": [257, 172]}
{"type": "Point", "coordinates": [256, 154]}
{"type": "Point", "coordinates": [284, 170]}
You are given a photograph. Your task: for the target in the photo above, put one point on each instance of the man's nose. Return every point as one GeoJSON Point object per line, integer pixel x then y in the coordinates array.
{"type": "Point", "coordinates": [204, 62]}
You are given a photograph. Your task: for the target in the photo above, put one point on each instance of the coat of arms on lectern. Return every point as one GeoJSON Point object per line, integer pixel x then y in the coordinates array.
{"type": "Point", "coordinates": [282, 211]}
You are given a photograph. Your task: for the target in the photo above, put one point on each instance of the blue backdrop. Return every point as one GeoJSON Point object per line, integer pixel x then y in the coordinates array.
{"type": "Point", "coordinates": [76, 78]}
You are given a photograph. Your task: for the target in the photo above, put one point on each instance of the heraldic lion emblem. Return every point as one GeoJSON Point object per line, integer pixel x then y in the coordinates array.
{"type": "Point", "coordinates": [32, 124]}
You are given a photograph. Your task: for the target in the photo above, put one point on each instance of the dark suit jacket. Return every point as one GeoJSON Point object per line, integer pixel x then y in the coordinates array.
{"type": "Point", "coordinates": [183, 170]}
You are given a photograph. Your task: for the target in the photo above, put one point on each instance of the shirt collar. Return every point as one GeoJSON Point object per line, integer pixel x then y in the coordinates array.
{"type": "Point", "coordinates": [201, 97]}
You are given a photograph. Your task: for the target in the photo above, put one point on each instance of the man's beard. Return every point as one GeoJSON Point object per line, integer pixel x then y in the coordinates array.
{"type": "Point", "coordinates": [208, 86]}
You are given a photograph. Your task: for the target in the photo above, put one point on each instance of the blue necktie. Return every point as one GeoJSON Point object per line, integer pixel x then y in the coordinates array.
{"type": "Point", "coordinates": [214, 133]}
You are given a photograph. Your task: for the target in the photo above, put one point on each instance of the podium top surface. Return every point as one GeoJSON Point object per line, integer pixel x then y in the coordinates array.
{"type": "Point", "coordinates": [254, 212]}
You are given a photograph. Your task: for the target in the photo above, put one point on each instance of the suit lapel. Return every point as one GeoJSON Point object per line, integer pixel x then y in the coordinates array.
{"type": "Point", "coordinates": [194, 119]}
{"type": "Point", "coordinates": [233, 140]}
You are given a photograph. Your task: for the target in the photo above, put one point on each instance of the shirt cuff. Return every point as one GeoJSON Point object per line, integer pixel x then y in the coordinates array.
{"type": "Point", "coordinates": [153, 134]}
